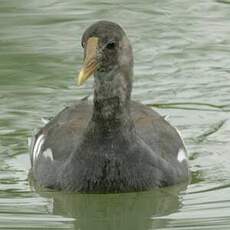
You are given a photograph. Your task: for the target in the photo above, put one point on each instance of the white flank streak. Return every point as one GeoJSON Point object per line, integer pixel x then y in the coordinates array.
{"type": "Point", "coordinates": [181, 155]}
{"type": "Point", "coordinates": [37, 147]}
{"type": "Point", "coordinates": [48, 154]}
{"type": "Point", "coordinates": [29, 141]}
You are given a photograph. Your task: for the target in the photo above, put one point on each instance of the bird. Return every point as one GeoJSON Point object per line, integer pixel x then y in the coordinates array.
{"type": "Point", "coordinates": [111, 144]}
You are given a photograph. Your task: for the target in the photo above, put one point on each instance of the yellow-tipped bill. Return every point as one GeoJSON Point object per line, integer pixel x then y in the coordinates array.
{"type": "Point", "coordinates": [90, 62]}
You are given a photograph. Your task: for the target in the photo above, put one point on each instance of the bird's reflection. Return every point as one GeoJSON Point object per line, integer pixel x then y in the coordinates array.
{"type": "Point", "coordinates": [134, 211]}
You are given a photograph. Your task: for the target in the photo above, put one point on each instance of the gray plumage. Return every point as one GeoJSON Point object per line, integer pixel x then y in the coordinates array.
{"type": "Point", "coordinates": [114, 145]}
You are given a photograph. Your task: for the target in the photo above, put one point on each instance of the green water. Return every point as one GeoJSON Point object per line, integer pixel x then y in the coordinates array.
{"type": "Point", "coordinates": [182, 69]}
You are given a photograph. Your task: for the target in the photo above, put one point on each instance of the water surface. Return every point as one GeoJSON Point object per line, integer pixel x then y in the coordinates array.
{"type": "Point", "coordinates": [181, 69]}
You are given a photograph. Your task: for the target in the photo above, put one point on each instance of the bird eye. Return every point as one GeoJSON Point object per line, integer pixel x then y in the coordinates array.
{"type": "Point", "coordinates": [110, 45]}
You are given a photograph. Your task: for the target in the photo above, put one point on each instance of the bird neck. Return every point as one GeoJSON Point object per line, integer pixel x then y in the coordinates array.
{"type": "Point", "coordinates": [111, 112]}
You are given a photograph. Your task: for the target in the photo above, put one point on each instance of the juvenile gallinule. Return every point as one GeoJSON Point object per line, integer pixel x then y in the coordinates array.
{"type": "Point", "coordinates": [113, 144]}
